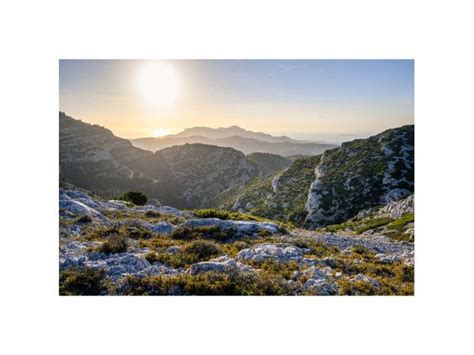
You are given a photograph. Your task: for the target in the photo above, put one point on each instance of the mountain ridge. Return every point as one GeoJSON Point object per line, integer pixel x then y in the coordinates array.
{"type": "Point", "coordinates": [243, 144]}
{"type": "Point", "coordinates": [186, 176]}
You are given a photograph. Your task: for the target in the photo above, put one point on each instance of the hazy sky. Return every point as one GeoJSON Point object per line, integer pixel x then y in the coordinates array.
{"type": "Point", "coordinates": [322, 99]}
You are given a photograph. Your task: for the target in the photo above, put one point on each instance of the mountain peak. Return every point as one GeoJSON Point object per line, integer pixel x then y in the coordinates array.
{"type": "Point", "coordinates": [231, 131]}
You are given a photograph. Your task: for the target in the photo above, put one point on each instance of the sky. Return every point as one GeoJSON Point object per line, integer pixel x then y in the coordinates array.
{"type": "Point", "coordinates": [332, 100]}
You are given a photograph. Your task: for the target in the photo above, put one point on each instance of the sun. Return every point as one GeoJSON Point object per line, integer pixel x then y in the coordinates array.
{"type": "Point", "coordinates": [160, 133]}
{"type": "Point", "coordinates": [158, 84]}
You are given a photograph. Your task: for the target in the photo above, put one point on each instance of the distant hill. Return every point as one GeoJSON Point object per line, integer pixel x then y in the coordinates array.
{"type": "Point", "coordinates": [269, 163]}
{"type": "Point", "coordinates": [187, 176]}
{"type": "Point", "coordinates": [217, 133]}
{"type": "Point", "coordinates": [246, 145]}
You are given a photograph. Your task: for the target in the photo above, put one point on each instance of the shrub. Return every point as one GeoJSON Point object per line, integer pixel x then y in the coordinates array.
{"type": "Point", "coordinates": [193, 252]}
{"type": "Point", "coordinates": [372, 224]}
{"type": "Point", "coordinates": [135, 197]}
{"type": "Point", "coordinates": [137, 232]}
{"type": "Point", "coordinates": [102, 232]}
{"type": "Point", "coordinates": [223, 214]}
{"type": "Point", "coordinates": [202, 249]}
{"type": "Point", "coordinates": [361, 250]}
{"type": "Point", "coordinates": [113, 245]}
{"type": "Point", "coordinates": [152, 257]}
{"type": "Point", "coordinates": [153, 214]}
{"type": "Point", "coordinates": [83, 281]}
{"type": "Point", "coordinates": [397, 228]}
{"type": "Point", "coordinates": [84, 219]}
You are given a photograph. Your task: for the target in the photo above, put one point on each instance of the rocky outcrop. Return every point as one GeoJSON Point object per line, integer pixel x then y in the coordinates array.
{"type": "Point", "coordinates": [395, 209]}
{"type": "Point", "coordinates": [221, 264]}
{"type": "Point", "coordinates": [281, 196]}
{"type": "Point", "coordinates": [275, 252]}
{"type": "Point", "coordinates": [240, 228]}
{"type": "Point", "coordinates": [299, 261]}
{"type": "Point", "coordinates": [362, 174]}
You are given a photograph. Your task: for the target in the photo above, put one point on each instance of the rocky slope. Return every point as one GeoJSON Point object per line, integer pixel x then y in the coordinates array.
{"type": "Point", "coordinates": [361, 174]}
{"type": "Point", "coordinates": [111, 247]}
{"type": "Point", "coordinates": [187, 176]}
{"type": "Point", "coordinates": [281, 196]}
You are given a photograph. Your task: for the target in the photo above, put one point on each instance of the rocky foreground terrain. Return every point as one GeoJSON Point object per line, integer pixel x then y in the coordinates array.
{"type": "Point", "coordinates": [113, 247]}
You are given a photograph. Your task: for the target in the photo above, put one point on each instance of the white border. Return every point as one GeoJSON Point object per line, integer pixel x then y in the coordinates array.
{"type": "Point", "coordinates": [36, 34]}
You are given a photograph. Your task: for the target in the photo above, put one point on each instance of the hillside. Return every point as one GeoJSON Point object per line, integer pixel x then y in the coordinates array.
{"type": "Point", "coordinates": [269, 163]}
{"type": "Point", "coordinates": [281, 196]}
{"type": "Point", "coordinates": [187, 176]}
{"type": "Point", "coordinates": [362, 174]}
{"type": "Point", "coordinates": [244, 144]}
{"type": "Point", "coordinates": [335, 186]}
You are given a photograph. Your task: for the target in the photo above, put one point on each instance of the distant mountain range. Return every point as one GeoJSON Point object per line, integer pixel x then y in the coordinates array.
{"type": "Point", "coordinates": [237, 138]}
{"type": "Point", "coordinates": [187, 176]}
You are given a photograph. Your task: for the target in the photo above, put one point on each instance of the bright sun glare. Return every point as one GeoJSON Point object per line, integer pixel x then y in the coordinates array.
{"type": "Point", "coordinates": [158, 84]}
{"type": "Point", "coordinates": [161, 132]}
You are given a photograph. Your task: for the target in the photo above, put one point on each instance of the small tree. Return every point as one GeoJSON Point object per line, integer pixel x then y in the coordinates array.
{"type": "Point", "coordinates": [135, 197]}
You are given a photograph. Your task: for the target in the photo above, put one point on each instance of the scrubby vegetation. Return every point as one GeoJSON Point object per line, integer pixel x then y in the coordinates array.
{"type": "Point", "coordinates": [223, 214]}
{"type": "Point", "coordinates": [83, 282]}
{"type": "Point", "coordinates": [113, 245]}
{"type": "Point", "coordinates": [209, 283]}
{"type": "Point", "coordinates": [396, 229]}
{"type": "Point", "coordinates": [360, 226]}
{"type": "Point", "coordinates": [392, 279]}
{"type": "Point", "coordinates": [284, 203]}
{"type": "Point", "coordinates": [136, 197]}
{"type": "Point", "coordinates": [190, 253]}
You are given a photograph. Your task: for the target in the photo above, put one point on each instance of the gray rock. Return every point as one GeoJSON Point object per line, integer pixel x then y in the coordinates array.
{"type": "Point", "coordinates": [163, 228]}
{"type": "Point", "coordinates": [173, 249]}
{"type": "Point", "coordinates": [240, 227]}
{"type": "Point", "coordinates": [319, 281]}
{"type": "Point", "coordinates": [264, 252]}
{"type": "Point", "coordinates": [221, 264]}
{"type": "Point", "coordinates": [366, 279]}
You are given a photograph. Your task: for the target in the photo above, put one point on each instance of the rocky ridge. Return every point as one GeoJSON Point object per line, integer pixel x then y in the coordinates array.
{"type": "Point", "coordinates": [362, 174]}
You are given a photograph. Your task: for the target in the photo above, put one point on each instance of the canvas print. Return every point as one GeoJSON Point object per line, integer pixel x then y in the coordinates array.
{"type": "Point", "coordinates": [236, 177]}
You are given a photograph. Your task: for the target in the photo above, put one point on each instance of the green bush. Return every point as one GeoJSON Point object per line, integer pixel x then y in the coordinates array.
{"type": "Point", "coordinates": [84, 219]}
{"type": "Point", "coordinates": [83, 281]}
{"type": "Point", "coordinates": [193, 252]}
{"type": "Point", "coordinates": [202, 249]}
{"type": "Point", "coordinates": [372, 224]}
{"type": "Point", "coordinates": [113, 245]}
{"type": "Point", "coordinates": [223, 214]}
{"type": "Point", "coordinates": [136, 197]}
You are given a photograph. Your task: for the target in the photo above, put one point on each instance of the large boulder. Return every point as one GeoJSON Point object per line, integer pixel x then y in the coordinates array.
{"type": "Point", "coordinates": [319, 281]}
{"type": "Point", "coordinates": [221, 264]}
{"type": "Point", "coordinates": [276, 252]}
{"type": "Point", "coordinates": [240, 227]}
